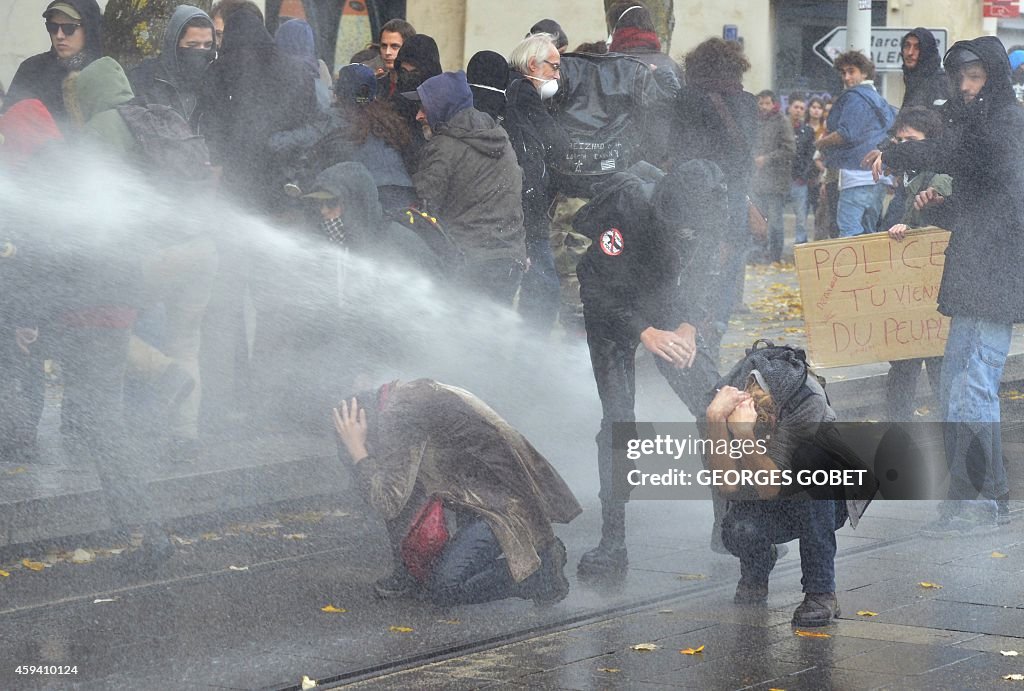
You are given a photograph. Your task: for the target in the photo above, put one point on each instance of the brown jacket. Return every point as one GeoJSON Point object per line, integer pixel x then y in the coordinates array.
{"type": "Point", "coordinates": [431, 438]}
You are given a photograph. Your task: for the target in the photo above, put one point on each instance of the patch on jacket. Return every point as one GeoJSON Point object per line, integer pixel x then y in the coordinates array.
{"type": "Point", "coordinates": [611, 242]}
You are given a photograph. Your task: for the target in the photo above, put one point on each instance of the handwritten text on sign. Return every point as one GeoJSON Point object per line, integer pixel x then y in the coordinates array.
{"type": "Point", "coordinates": [872, 299]}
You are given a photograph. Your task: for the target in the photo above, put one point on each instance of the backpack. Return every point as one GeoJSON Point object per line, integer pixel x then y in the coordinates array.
{"type": "Point", "coordinates": [170, 150]}
{"type": "Point", "coordinates": [432, 233]}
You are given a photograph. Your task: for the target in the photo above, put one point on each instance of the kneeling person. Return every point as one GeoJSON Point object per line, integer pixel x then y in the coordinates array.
{"type": "Point", "coordinates": [410, 443]}
{"type": "Point", "coordinates": [782, 404]}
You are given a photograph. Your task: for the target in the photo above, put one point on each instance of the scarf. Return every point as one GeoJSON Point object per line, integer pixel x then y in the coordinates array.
{"type": "Point", "coordinates": [630, 38]}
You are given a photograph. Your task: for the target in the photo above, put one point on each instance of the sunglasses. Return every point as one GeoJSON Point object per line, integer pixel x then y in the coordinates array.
{"type": "Point", "coordinates": [69, 29]}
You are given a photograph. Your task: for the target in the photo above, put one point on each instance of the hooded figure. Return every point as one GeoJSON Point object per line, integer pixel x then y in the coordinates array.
{"type": "Point", "coordinates": [982, 285]}
{"type": "Point", "coordinates": [98, 90]}
{"type": "Point", "coordinates": [362, 226]}
{"type": "Point", "coordinates": [487, 74]}
{"type": "Point", "coordinates": [41, 76]}
{"type": "Point", "coordinates": [421, 61]}
{"type": "Point", "coordinates": [250, 92]}
{"type": "Point", "coordinates": [173, 78]}
{"type": "Point", "coordinates": [468, 174]}
{"type": "Point", "coordinates": [926, 83]}
{"type": "Point", "coordinates": [295, 38]}
{"type": "Point", "coordinates": [642, 281]}
{"type": "Point", "coordinates": [429, 439]}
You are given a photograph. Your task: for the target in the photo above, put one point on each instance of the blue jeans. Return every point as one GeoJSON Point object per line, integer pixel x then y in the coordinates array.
{"type": "Point", "coordinates": [859, 209]}
{"type": "Point", "coordinates": [976, 351]}
{"type": "Point", "coordinates": [750, 528]}
{"type": "Point", "coordinates": [798, 195]}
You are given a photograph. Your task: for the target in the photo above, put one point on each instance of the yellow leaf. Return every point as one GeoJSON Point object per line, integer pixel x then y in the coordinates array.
{"type": "Point", "coordinates": [210, 536]}
{"type": "Point", "coordinates": [16, 471]}
{"type": "Point", "coordinates": [644, 647]}
{"type": "Point", "coordinates": [1009, 653]}
{"type": "Point", "coordinates": [812, 634]}
{"type": "Point", "coordinates": [307, 683]}
{"type": "Point", "coordinates": [34, 565]}
{"type": "Point", "coordinates": [1014, 677]}
{"type": "Point", "coordinates": [400, 629]}
{"type": "Point", "coordinates": [867, 613]}
{"type": "Point", "coordinates": [926, 584]}
{"type": "Point", "coordinates": [295, 536]}
{"type": "Point", "coordinates": [692, 651]}
{"type": "Point", "coordinates": [609, 670]}
{"type": "Point", "coordinates": [4, 574]}
{"type": "Point", "coordinates": [691, 577]}
{"type": "Point", "coordinates": [998, 555]}
{"type": "Point", "coordinates": [331, 609]}
{"type": "Point", "coordinates": [666, 611]}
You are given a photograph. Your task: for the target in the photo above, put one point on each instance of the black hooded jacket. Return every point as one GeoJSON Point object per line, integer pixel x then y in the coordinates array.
{"type": "Point", "coordinates": [983, 151]}
{"type": "Point", "coordinates": [42, 76]}
{"type": "Point", "coordinates": [159, 80]}
{"type": "Point", "coordinates": [926, 84]}
{"type": "Point", "coordinates": [250, 92]}
{"type": "Point", "coordinates": [650, 232]}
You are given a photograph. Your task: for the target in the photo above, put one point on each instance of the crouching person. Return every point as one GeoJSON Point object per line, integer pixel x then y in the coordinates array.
{"type": "Point", "coordinates": [414, 444]}
{"type": "Point", "coordinates": [772, 399]}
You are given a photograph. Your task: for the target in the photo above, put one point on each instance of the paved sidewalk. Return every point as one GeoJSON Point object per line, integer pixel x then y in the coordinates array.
{"type": "Point", "coordinates": [894, 633]}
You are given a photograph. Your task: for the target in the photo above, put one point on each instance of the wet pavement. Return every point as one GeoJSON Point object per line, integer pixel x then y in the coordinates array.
{"type": "Point", "coordinates": [268, 536]}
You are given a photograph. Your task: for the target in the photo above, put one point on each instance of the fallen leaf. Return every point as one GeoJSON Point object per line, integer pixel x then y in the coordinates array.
{"type": "Point", "coordinates": [211, 537]}
{"type": "Point", "coordinates": [776, 689]}
{"type": "Point", "coordinates": [239, 568]}
{"type": "Point", "coordinates": [867, 613]}
{"type": "Point", "coordinates": [82, 556]}
{"type": "Point", "coordinates": [1009, 653]}
{"type": "Point", "coordinates": [400, 629]}
{"type": "Point", "coordinates": [182, 540]}
{"type": "Point", "coordinates": [1014, 677]}
{"type": "Point", "coordinates": [691, 577]}
{"type": "Point", "coordinates": [4, 574]}
{"type": "Point", "coordinates": [692, 651]}
{"type": "Point", "coordinates": [926, 584]}
{"type": "Point", "coordinates": [34, 565]}
{"type": "Point", "coordinates": [336, 610]}
{"type": "Point", "coordinates": [295, 536]}
{"type": "Point", "coordinates": [666, 611]}
{"type": "Point", "coordinates": [307, 683]}
{"type": "Point", "coordinates": [812, 634]}
{"type": "Point", "coordinates": [922, 411]}
{"type": "Point", "coordinates": [104, 599]}
{"type": "Point", "coordinates": [16, 471]}
{"type": "Point", "coordinates": [998, 555]}
{"type": "Point", "coordinates": [644, 647]}
{"type": "Point", "coordinates": [609, 670]}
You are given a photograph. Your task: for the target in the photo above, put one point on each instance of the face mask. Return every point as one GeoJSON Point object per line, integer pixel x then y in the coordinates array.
{"type": "Point", "coordinates": [192, 62]}
{"type": "Point", "coordinates": [408, 81]}
{"type": "Point", "coordinates": [549, 87]}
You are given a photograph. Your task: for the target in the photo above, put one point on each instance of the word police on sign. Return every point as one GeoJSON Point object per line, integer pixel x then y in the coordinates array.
{"type": "Point", "coordinates": [885, 46]}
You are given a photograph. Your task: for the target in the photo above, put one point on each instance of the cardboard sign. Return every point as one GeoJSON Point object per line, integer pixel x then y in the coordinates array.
{"type": "Point", "coordinates": [872, 299]}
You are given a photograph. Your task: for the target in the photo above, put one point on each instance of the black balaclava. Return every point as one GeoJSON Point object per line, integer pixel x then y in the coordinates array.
{"type": "Point", "coordinates": [487, 74]}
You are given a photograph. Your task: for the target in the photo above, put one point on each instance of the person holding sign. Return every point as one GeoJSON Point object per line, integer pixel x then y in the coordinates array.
{"type": "Point", "coordinates": [982, 285]}
{"type": "Point", "coordinates": [916, 123]}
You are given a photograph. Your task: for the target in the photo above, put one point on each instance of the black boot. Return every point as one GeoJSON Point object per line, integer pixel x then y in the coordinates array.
{"type": "Point", "coordinates": [548, 584]}
{"type": "Point", "coordinates": [608, 559]}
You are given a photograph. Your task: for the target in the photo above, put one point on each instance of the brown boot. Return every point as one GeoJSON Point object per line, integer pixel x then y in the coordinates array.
{"type": "Point", "coordinates": [817, 609]}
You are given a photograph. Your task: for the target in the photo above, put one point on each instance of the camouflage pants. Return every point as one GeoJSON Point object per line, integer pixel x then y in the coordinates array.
{"type": "Point", "coordinates": [568, 246]}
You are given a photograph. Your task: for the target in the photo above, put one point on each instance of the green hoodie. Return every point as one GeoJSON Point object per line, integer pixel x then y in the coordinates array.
{"type": "Point", "coordinates": [99, 89]}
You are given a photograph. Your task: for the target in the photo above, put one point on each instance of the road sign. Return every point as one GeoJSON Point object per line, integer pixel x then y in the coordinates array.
{"type": "Point", "coordinates": [885, 46]}
{"type": "Point", "coordinates": [1001, 9]}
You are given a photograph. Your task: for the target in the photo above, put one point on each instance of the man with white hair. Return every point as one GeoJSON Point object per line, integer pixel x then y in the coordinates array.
{"type": "Point", "coordinates": [536, 138]}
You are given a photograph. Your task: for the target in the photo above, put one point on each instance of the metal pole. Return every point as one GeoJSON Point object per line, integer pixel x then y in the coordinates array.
{"type": "Point", "coordinates": [858, 26]}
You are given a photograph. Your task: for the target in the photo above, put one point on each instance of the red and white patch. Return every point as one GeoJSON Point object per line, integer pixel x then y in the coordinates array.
{"type": "Point", "coordinates": [611, 242]}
